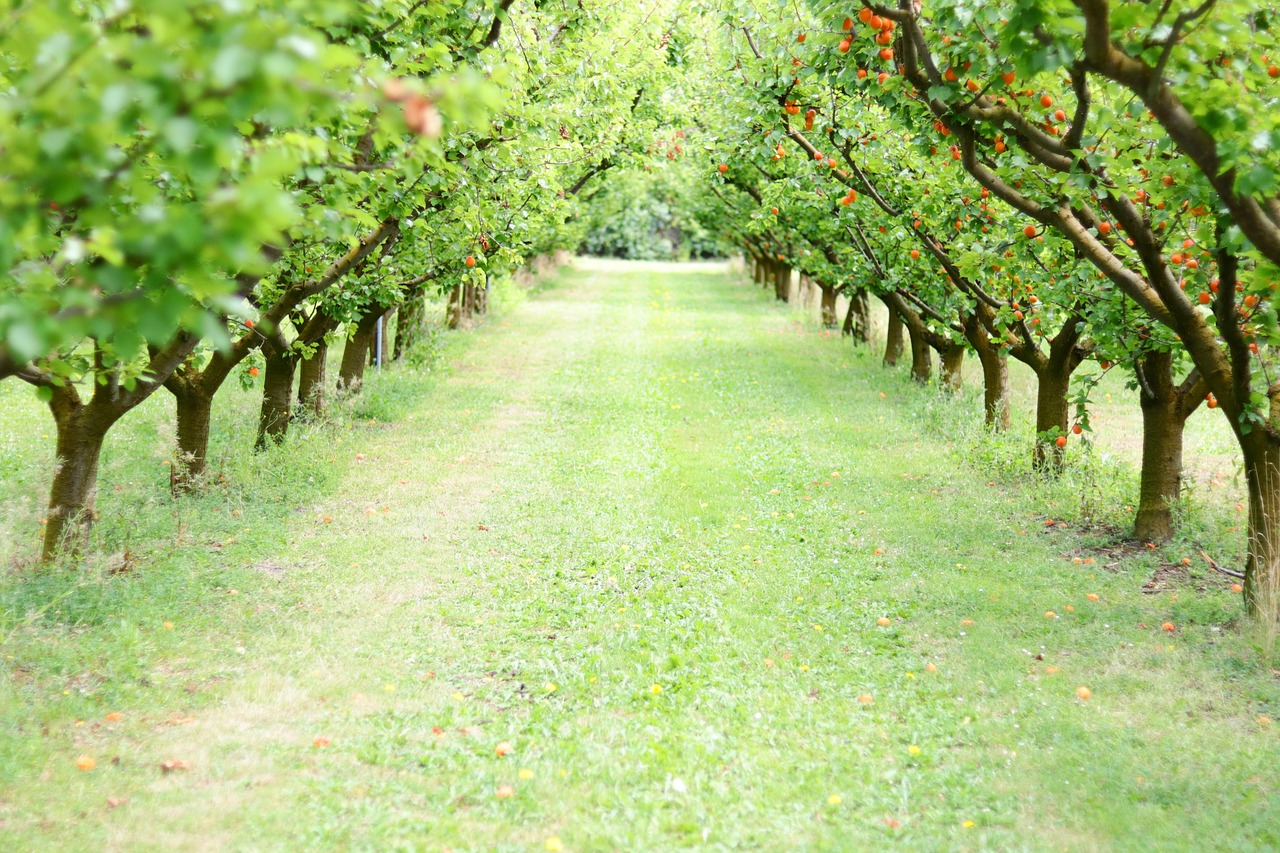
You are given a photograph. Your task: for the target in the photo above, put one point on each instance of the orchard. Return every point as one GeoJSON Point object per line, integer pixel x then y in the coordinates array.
{"type": "Point", "coordinates": [570, 425]}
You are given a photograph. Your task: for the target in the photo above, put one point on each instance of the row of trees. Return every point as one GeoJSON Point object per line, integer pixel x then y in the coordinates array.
{"type": "Point", "coordinates": [189, 185]}
{"type": "Point", "coordinates": [1057, 182]}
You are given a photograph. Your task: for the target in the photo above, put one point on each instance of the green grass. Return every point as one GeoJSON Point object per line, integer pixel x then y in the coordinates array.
{"type": "Point", "coordinates": [641, 528]}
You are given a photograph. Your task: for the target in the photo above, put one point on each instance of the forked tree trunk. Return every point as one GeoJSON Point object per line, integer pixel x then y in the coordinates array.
{"type": "Point", "coordinates": [1053, 375]}
{"type": "Point", "coordinates": [81, 430]}
{"type": "Point", "coordinates": [893, 337]}
{"type": "Point", "coordinates": [356, 353]}
{"type": "Point", "coordinates": [311, 382]}
{"type": "Point", "coordinates": [277, 398]}
{"type": "Point", "coordinates": [829, 318]}
{"type": "Point", "coordinates": [857, 320]}
{"type": "Point", "coordinates": [951, 357]}
{"type": "Point", "coordinates": [995, 373]}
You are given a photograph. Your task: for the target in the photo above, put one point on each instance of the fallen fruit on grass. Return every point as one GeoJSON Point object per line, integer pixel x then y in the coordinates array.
{"type": "Point", "coordinates": [504, 748]}
{"type": "Point", "coordinates": [884, 621]}
{"type": "Point", "coordinates": [505, 792]}
{"type": "Point", "coordinates": [170, 765]}
{"type": "Point", "coordinates": [1084, 692]}
{"type": "Point", "coordinates": [320, 742]}
{"type": "Point", "coordinates": [114, 717]}
{"type": "Point", "coordinates": [1093, 596]}
{"type": "Point", "coordinates": [1049, 614]}
{"type": "Point", "coordinates": [1235, 587]}
{"type": "Point", "coordinates": [1167, 626]}
{"type": "Point", "coordinates": [86, 763]}
{"type": "Point", "coordinates": [929, 667]}
{"type": "Point", "coordinates": [865, 699]}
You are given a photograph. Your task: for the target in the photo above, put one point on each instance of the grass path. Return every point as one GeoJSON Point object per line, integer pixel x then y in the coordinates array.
{"type": "Point", "coordinates": [642, 535]}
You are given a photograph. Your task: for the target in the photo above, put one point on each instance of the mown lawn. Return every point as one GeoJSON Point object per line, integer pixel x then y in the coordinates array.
{"type": "Point", "coordinates": [638, 533]}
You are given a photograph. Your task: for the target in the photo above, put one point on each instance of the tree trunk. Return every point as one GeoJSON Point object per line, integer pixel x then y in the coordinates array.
{"type": "Point", "coordinates": [277, 398]}
{"type": "Point", "coordinates": [1165, 409]}
{"type": "Point", "coordinates": [951, 356]}
{"type": "Point", "coordinates": [454, 307]}
{"type": "Point", "coordinates": [758, 272]}
{"type": "Point", "coordinates": [921, 359]}
{"type": "Point", "coordinates": [80, 432]}
{"type": "Point", "coordinates": [1262, 562]}
{"type": "Point", "coordinates": [782, 282]}
{"type": "Point", "coordinates": [857, 320]}
{"type": "Point", "coordinates": [829, 319]}
{"type": "Point", "coordinates": [1053, 376]}
{"type": "Point", "coordinates": [412, 316]}
{"type": "Point", "coordinates": [1053, 383]}
{"type": "Point", "coordinates": [995, 372]}
{"type": "Point", "coordinates": [356, 353]}
{"type": "Point", "coordinates": [311, 382]}
{"type": "Point", "coordinates": [194, 408]}
{"type": "Point", "coordinates": [893, 337]}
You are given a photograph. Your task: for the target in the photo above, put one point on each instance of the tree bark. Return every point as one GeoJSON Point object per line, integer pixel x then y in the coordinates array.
{"type": "Point", "coordinates": [81, 430]}
{"type": "Point", "coordinates": [921, 358]}
{"type": "Point", "coordinates": [277, 398]}
{"type": "Point", "coordinates": [829, 319]}
{"type": "Point", "coordinates": [311, 382]}
{"type": "Point", "coordinates": [455, 307]}
{"type": "Point", "coordinates": [356, 353]}
{"type": "Point", "coordinates": [951, 357]}
{"type": "Point", "coordinates": [1262, 563]}
{"type": "Point", "coordinates": [412, 316]}
{"type": "Point", "coordinates": [80, 434]}
{"type": "Point", "coordinates": [995, 372]}
{"type": "Point", "coordinates": [857, 320]}
{"type": "Point", "coordinates": [1051, 417]}
{"type": "Point", "coordinates": [893, 336]}
{"type": "Point", "coordinates": [782, 282]}
{"type": "Point", "coordinates": [1053, 376]}
{"type": "Point", "coordinates": [194, 410]}
{"type": "Point", "coordinates": [1165, 409]}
